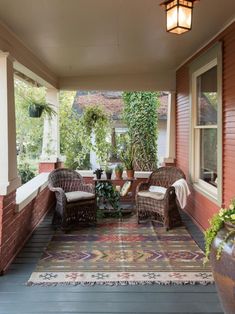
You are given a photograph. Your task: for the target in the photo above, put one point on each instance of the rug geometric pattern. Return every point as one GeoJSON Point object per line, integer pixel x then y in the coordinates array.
{"type": "Point", "coordinates": [122, 252]}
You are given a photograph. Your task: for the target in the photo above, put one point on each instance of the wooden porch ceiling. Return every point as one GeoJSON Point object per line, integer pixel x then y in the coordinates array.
{"type": "Point", "coordinates": [107, 44]}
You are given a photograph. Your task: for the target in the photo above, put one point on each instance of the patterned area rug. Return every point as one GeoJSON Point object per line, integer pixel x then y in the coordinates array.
{"type": "Point", "coordinates": [119, 252]}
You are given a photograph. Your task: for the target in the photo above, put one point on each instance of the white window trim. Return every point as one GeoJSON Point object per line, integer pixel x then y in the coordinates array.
{"type": "Point", "coordinates": [204, 63]}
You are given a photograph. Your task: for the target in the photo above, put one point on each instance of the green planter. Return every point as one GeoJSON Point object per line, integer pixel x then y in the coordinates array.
{"type": "Point", "coordinates": [35, 111]}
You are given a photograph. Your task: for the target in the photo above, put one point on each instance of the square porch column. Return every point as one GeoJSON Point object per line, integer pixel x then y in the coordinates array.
{"type": "Point", "coordinates": [169, 160]}
{"type": "Point", "coordinates": [50, 157]}
{"type": "Point", "coordinates": [9, 179]}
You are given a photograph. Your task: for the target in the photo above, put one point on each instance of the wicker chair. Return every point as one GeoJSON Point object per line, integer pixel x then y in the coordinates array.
{"type": "Point", "coordinates": [75, 201]}
{"type": "Point", "coordinates": [164, 210]}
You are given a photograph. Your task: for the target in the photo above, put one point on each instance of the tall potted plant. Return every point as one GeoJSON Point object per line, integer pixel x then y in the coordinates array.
{"type": "Point", "coordinates": [127, 157]}
{"type": "Point", "coordinates": [220, 250]}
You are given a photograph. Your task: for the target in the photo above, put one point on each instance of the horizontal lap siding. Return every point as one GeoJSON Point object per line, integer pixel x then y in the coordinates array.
{"type": "Point", "coordinates": [199, 207]}
{"type": "Point", "coordinates": [182, 119]}
{"type": "Point", "coordinates": [229, 114]}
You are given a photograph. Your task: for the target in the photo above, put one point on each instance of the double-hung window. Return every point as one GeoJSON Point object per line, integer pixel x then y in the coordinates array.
{"type": "Point", "coordinates": [206, 118]}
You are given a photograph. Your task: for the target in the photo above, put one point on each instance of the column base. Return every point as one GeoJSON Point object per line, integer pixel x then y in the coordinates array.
{"type": "Point", "coordinates": [46, 166]}
{"type": "Point", "coordinates": [9, 187]}
{"type": "Point", "coordinates": [169, 162]}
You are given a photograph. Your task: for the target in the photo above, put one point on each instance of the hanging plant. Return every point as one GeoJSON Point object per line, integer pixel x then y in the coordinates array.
{"type": "Point", "coordinates": [95, 120]}
{"type": "Point", "coordinates": [35, 100]}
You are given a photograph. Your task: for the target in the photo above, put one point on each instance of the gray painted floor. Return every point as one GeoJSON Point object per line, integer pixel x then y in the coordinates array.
{"type": "Point", "coordinates": [17, 298]}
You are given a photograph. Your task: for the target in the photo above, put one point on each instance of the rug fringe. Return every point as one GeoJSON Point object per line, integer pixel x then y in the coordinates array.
{"type": "Point", "coordinates": [119, 283]}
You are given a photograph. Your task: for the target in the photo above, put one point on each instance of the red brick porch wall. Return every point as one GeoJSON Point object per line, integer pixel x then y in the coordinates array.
{"type": "Point", "coordinates": [16, 227]}
{"type": "Point", "coordinates": [200, 207]}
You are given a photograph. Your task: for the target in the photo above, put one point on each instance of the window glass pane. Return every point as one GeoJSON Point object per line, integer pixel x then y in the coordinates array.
{"type": "Point", "coordinates": [208, 156]}
{"type": "Point", "coordinates": [207, 98]}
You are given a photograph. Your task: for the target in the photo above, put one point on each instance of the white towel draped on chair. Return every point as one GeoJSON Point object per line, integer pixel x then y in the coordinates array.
{"type": "Point", "coordinates": [182, 191]}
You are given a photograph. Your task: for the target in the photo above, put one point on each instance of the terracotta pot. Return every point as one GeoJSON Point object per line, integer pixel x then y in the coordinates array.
{"type": "Point", "coordinates": [130, 174]}
{"type": "Point", "coordinates": [224, 269]}
{"type": "Point", "coordinates": [118, 174]}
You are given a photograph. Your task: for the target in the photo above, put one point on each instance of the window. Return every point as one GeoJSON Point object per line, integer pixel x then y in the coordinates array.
{"type": "Point", "coordinates": [206, 148]}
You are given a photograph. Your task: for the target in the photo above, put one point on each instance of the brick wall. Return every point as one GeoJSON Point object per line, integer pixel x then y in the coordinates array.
{"type": "Point", "coordinates": [16, 227]}
{"type": "Point", "coordinates": [200, 207]}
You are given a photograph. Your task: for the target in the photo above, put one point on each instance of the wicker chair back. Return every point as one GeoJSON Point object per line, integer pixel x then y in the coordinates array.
{"type": "Point", "coordinates": [166, 176]}
{"type": "Point", "coordinates": [65, 179]}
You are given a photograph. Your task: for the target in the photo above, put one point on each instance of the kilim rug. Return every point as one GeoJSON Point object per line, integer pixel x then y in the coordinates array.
{"type": "Point", "coordinates": [119, 252]}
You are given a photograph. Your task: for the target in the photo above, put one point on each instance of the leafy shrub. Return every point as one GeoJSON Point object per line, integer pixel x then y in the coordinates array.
{"type": "Point", "coordinates": [26, 172]}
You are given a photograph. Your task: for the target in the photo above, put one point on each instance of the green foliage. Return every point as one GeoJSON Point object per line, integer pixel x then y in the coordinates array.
{"type": "Point", "coordinates": [29, 131]}
{"type": "Point", "coordinates": [108, 170]}
{"type": "Point", "coordinates": [71, 134]}
{"type": "Point", "coordinates": [127, 155]}
{"type": "Point", "coordinates": [140, 115]}
{"type": "Point", "coordinates": [36, 97]}
{"type": "Point", "coordinates": [216, 223]}
{"type": "Point", "coordinates": [119, 168]}
{"type": "Point", "coordinates": [98, 173]}
{"type": "Point", "coordinates": [106, 194]}
{"type": "Point", "coordinates": [26, 171]}
{"type": "Point", "coordinates": [95, 120]}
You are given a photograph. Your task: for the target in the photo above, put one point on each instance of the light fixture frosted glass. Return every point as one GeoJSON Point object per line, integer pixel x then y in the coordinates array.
{"type": "Point", "coordinates": [178, 15]}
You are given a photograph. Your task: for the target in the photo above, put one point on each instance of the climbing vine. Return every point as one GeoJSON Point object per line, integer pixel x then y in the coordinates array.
{"type": "Point", "coordinates": [140, 115]}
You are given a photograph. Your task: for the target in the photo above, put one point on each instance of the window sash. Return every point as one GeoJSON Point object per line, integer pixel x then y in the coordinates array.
{"type": "Point", "coordinates": [209, 59]}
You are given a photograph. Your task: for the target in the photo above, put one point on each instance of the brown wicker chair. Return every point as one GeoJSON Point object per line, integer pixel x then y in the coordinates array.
{"type": "Point", "coordinates": [164, 211]}
{"type": "Point", "coordinates": [76, 207]}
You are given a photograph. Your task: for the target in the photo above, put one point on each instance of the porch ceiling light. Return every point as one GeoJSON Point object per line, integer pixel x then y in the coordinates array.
{"type": "Point", "coordinates": [179, 15]}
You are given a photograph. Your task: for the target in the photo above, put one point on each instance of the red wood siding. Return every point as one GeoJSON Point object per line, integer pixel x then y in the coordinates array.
{"type": "Point", "coordinates": [199, 207]}
{"type": "Point", "coordinates": [229, 114]}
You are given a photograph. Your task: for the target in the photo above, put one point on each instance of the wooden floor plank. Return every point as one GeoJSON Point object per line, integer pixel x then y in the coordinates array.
{"type": "Point", "coordinates": [18, 298]}
{"type": "Point", "coordinates": [115, 307]}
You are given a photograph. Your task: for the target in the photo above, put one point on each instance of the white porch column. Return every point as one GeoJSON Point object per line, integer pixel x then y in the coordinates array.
{"type": "Point", "coordinates": [51, 137]}
{"type": "Point", "coordinates": [9, 180]}
{"type": "Point", "coordinates": [171, 129]}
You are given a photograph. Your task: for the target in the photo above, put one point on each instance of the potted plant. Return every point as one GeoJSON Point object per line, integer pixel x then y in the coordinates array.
{"type": "Point", "coordinates": [108, 172]}
{"type": "Point", "coordinates": [36, 103]}
{"type": "Point", "coordinates": [119, 171]}
{"type": "Point", "coordinates": [127, 157]}
{"type": "Point", "coordinates": [36, 109]}
{"type": "Point", "coordinates": [107, 196]}
{"type": "Point", "coordinates": [220, 250]}
{"type": "Point", "coordinates": [98, 173]}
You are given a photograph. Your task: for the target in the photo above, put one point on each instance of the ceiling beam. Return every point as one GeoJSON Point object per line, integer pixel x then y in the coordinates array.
{"type": "Point", "coordinates": [26, 61]}
{"type": "Point", "coordinates": [125, 82]}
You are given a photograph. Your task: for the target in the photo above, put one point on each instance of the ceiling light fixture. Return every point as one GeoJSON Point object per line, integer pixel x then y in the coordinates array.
{"type": "Point", "coordinates": [178, 15]}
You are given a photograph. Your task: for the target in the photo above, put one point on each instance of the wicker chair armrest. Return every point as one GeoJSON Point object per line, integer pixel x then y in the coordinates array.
{"type": "Point", "coordinates": [60, 194]}
{"type": "Point", "coordinates": [170, 194]}
{"type": "Point", "coordinates": [55, 189]}
{"type": "Point", "coordinates": [88, 188]}
{"type": "Point", "coordinates": [142, 186]}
